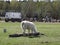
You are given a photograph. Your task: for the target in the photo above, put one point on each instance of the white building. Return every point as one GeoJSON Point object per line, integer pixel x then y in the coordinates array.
{"type": "Point", "coordinates": [7, 0]}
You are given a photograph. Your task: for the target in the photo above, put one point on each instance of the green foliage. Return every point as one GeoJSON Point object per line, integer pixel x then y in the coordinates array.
{"type": "Point", "coordinates": [30, 8]}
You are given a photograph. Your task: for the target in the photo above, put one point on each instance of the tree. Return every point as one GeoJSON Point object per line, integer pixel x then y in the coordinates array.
{"type": "Point", "coordinates": [28, 8]}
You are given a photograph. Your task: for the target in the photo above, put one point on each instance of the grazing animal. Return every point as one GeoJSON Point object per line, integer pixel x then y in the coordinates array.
{"type": "Point", "coordinates": [27, 25]}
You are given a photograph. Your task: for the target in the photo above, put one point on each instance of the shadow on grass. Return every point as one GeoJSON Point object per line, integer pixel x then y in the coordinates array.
{"type": "Point", "coordinates": [38, 35]}
{"type": "Point", "coordinates": [34, 36]}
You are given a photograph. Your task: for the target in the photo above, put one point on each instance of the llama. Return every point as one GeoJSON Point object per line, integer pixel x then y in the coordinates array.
{"type": "Point", "coordinates": [27, 25]}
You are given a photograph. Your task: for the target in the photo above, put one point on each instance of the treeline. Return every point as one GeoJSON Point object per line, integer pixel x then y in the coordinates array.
{"type": "Point", "coordinates": [32, 9]}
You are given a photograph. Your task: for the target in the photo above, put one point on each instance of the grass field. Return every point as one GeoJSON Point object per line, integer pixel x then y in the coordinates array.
{"type": "Point", "coordinates": [51, 30]}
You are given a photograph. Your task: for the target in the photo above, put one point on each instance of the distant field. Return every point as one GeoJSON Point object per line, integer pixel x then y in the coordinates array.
{"type": "Point", "coordinates": [51, 30]}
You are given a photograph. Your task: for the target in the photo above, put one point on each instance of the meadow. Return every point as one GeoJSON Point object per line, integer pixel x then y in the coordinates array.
{"type": "Point", "coordinates": [51, 31]}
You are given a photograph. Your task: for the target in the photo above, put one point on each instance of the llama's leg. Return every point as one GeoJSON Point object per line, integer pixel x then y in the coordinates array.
{"type": "Point", "coordinates": [29, 32]}
{"type": "Point", "coordinates": [24, 30]}
{"type": "Point", "coordinates": [34, 29]}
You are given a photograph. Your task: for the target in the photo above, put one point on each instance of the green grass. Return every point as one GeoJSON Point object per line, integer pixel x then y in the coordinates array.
{"type": "Point", "coordinates": [51, 30]}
